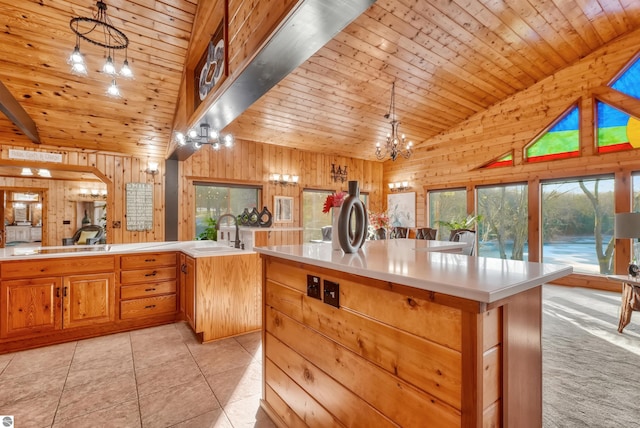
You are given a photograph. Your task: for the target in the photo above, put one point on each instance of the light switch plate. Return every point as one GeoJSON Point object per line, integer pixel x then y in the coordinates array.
{"type": "Point", "coordinates": [313, 286]}
{"type": "Point", "coordinates": [332, 293]}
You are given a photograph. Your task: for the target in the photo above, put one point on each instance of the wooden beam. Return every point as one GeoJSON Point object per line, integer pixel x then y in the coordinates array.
{"type": "Point", "coordinates": [14, 111]}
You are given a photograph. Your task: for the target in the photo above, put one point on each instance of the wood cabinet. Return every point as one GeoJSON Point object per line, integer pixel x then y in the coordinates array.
{"type": "Point", "coordinates": [148, 285]}
{"type": "Point", "coordinates": [39, 305]}
{"type": "Point", "coordinates": [222, 294]}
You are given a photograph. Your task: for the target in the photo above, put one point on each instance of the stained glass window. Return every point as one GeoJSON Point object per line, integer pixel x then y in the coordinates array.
{"type": "Point", "coordinates": [629, 81]}
{"type": "Point", "coordinates": [560, 142]}
{"type": "Point", "coordinates": [504, 160]}
{"type": "Point", "coordinates": [616, 129]}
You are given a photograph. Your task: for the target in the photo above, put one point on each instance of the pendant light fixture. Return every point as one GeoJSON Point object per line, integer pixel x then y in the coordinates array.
{"type": "Point", "coordinates": [396, 145]}
{"type": "Point", "coordinates": [205, 136]}
{"type": "Point", "coordinates": [101, 32]}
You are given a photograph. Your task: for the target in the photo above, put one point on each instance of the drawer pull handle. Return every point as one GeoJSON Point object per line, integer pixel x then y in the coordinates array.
{"type": "Point", "coordinates": [57, 291]}
{"type": "Point", "coordinates": [149, 260]}
{"type": "Point", "coordinates": [150, 306]}
{"type": "Point", "coordinates": [154, 273]}
{"type": "Point", "coordinates": [149, 289]}
{"type": "Point", "coordinates": [64, 292]}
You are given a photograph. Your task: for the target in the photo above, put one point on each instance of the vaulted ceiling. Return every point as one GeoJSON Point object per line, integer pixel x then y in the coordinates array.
{"type": "Point", "coordinates": [450, 59]}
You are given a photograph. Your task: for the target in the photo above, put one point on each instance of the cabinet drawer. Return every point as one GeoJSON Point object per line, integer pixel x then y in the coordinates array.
{"type": "Point", "coordinates": [147, 275]}
{"type": "Point", "coordinates": [56, 267]}
{"type": "Point", "coordinates": [147, 290]}
{"type": "Point", "coordinates": [142, 261]}
{"type": "Point", "coordinates": [150, 306]}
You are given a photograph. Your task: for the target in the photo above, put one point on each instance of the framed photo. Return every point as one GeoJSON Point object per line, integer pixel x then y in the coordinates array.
{"type": "Point", "coordinates": [283, 209]}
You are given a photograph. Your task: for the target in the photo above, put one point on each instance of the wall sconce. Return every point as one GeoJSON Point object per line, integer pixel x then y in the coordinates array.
{"type": "Point", "coordinates": [284, 179]}
{"type": "Point", "coordinates": [152, 168]}
{"type": "Point", "coordinates": [339, 173]}
{"type": "Point", "coordinates": [399, 186]}
{"type": "Point", "coordinates": [93, 193]}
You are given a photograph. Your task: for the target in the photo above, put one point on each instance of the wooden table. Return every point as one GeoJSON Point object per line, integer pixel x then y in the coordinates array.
{"type": "Point", "coordinates": [628, 284]}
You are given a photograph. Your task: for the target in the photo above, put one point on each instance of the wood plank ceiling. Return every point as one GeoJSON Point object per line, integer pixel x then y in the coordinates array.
{"type": "Point", "coordinates": [450, 59]}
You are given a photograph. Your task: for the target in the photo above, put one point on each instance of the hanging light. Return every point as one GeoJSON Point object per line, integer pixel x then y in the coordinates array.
{"type": "Point", "coordinates": [396, 145]}
{"type": "Point", "coordinates": [113, 89]}
{"type": "Point", "coordinates": [205, 136]}
{"type": "Point", "coordinates": [101, 32]}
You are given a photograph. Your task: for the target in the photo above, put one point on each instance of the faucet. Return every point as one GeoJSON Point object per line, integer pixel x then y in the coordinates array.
{"type": "Point", "coordinates": [236, 243]}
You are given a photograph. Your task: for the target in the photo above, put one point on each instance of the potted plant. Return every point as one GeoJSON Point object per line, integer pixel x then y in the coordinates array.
{"type": "Point", "coordinates": [210, 232]}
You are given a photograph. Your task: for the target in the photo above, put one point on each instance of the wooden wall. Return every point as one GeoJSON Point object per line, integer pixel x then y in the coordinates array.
{"type": "Point", "coordinates": [452, 159]}
{"type": "Point", "coordinates": [252, 163]}
{"type": "Point", "coordinates": [117, 170]}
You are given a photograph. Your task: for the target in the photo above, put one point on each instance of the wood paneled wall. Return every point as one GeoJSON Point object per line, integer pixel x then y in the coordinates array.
{"type": "Point", "coordinates": [62, 194]}
{"type": "Point", "coordinates": [453, 159]}
{"type": "Point", "coordinates": [252, 163]}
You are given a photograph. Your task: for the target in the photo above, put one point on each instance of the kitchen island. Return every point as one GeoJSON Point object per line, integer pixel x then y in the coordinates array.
{"type": "Point", "coordinates": [401, 334]}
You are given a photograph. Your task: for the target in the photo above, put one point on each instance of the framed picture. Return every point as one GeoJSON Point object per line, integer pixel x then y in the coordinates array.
{"type": "Point", "coordinates": [401, 208]}
{"type": "Point", "coordinates": [283, 209]}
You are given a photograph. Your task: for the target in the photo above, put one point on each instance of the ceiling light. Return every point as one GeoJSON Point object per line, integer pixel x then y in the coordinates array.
{"type": "Point", "coordinates": [44, 173]}
{"type": "Point", "coordinates": [99, 31]}
{"type": "Point", "coordinates": [205, 136]}
{"type": "Point", "coordinates": [113, 89]}
{"type": "Point", "coordinates": [395, 144]}
{"type": "Point", "coordinates": [26, 171]}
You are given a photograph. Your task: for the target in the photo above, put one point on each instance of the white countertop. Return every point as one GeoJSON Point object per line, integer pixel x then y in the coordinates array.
{"type": "Point", "coordinates": [192, 248]}
{"type": "Point", "coordinates": [421, 264]}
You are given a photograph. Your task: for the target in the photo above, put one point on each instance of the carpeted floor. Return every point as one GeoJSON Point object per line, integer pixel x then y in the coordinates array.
{"type": "Point", "coordinates": [591, 373]}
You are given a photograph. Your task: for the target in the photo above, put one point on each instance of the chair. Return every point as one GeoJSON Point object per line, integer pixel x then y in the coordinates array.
{"type": "Point", "coordinates": [377, 234]}
{"type": "Point", "coordinates": [86, 235]}
{"type": "Point", "coordinates": [454, 233]}
{"type": "Point", "coordinates": [398, 232]}
{"type": "Point", "coordinates": [426, 233]}
{"type": "Point", "coordinates": [326, 233]}
{"type": "Point", "coordinates": [468, 236]}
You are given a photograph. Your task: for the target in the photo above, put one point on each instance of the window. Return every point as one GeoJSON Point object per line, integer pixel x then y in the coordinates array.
{"type": "Point", "coordinates": [446, 206]}
{"type": "Point", "coordinates": [561, 141]}
{"type": "Point", "coordinates": [313, 219]}
{"type": "Point", "coordinates": [577, 224]}
{"type": "Point", "coordinates": [629, 82]}
{"type": "Point", "coordinates": [503, 230]}
{"type": "Point", "coordinates": [504, 160]}
{"type": "Point", "coordinates": [213, 200]}
{"type": "Point", "coordinates": [616, 130]}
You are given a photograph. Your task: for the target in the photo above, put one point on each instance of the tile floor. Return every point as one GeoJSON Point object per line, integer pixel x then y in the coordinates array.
{"type": "Point", "coordinates": [155, 377]}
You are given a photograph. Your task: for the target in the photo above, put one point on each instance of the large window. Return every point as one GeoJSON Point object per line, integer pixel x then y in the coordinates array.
{"type": "Point", "coordinates": [503, 230]}
{"type": "Point", "coordinates": [446, 206]}
{"type": "Point", "coordinates": [577, 224]}
{"type": "Point", "coordinates": [213, 200]}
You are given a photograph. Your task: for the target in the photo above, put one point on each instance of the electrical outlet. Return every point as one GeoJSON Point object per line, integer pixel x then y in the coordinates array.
{"type": "Point", "coordinates": [332, 293]}
{"type": "Point", "coordinates": [313, 287]}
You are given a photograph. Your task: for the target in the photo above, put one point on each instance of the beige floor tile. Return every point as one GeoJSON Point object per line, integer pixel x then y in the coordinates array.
{"type": "Point", "coordinates": [123, 415]}
{"type": "Point", "coordinates": [40, 359]}
{"type": "Point", "coordinates": [219, 357]}
{"type": "Point", "coordinates": [94, 370]}
{"type": "Point", "coordinates": [252, 342]}
{"type": "Point", "coordinates": [188, 336]}
{"type": "Point", "coordinates": [34, 412]}
{"type": "Point", "coordinates": [247, 413]}
{"type": "Point", "coordinates": [96, 395]}
{"type": "Point", "coordinates": [32, 385]}
{"type": "Point", "coordinates": [166, 376]}
{"type": "Point", "coordinates": [180, 403]}
{"type": "Point", "coordinates": [4, 361]}
{"type": "Point", "coordinates": [111, 346]}
{"type": "Point", "coordinates": [165, 333]}
{"type": "Point", "coordinates": [237, 384]}
{"type": "Point", "coordinates": [159, 353]}
{"type": "Point", "coordinates": [213, 419]}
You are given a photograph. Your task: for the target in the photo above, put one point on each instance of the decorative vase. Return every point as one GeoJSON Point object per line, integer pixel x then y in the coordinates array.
{"type": "Point", "coordinates": [352, 240]}
{"type": "Point", "coordinates": [254, 218]}
{"type": "Point", "coordinates": [266, 218]}
{"type": "Point", "coordinates": [335, 217]}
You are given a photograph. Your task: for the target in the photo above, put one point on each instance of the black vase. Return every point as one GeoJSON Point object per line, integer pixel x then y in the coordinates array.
{"type": "Point", "coordinates": [352, 240]}
{"type": "Point", "coordinates": [254, 218]}
{"type": "Point", "coordinates": [265, 219]}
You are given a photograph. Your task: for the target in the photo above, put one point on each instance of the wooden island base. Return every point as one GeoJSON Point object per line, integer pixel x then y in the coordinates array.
{"type": "Point", "coordinates": [394, 355]}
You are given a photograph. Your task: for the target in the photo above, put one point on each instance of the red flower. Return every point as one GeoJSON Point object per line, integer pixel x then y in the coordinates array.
{"type": "Point", "coordinates": [333, 200]}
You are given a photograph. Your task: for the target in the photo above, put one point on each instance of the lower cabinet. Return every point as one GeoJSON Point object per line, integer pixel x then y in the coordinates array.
{"type": "Point", "coordinates": [40, 305]}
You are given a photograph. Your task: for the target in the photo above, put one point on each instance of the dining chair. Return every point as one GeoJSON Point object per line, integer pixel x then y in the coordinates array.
{"type": "Point", "coordinates": [398, 232]}
{"type": "Point", "coordinates": [468, 236]}
{"type": "Point", "coordinates": [426, 233]}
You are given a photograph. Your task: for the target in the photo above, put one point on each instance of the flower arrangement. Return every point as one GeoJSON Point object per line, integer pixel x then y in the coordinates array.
{"type": "Point", "coordinates": [333, 200]}
{"type": "Point", "coordinates": [378, 220]}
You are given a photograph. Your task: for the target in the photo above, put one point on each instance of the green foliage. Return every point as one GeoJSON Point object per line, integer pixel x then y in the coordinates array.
{"type": "Point", "coordinates": [210, 233]}
{"type": "Point", "coordinates": [468, 222]}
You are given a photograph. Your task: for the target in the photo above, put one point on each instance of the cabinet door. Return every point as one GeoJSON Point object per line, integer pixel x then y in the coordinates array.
{"type": "Point", "coordinates": [30, 306]}
{"type": "Point", "coordinates": [189, 275]}
{"type": "Point", "coordinates": [88, 299]}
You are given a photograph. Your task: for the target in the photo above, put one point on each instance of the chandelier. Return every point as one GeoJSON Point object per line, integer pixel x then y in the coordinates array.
{"type": "Point", "coordinates": [205, 136]}
{"type": "Point", "coordinates": [395, 145]}
{"type": "Point", "coordinates": [100, 31]}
